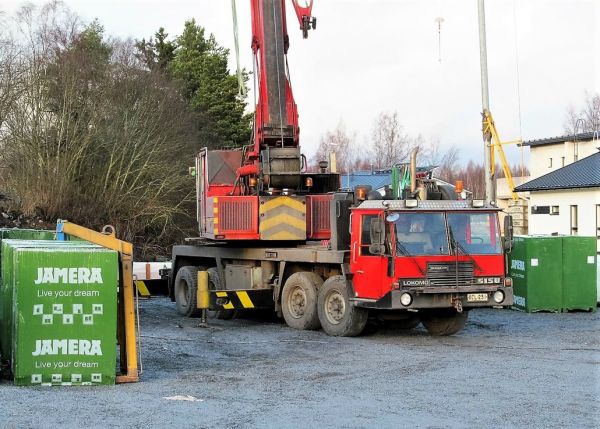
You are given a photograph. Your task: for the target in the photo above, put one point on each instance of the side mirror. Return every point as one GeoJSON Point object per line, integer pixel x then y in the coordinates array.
{"type": "Point", "coordinates": [392, 217]}
{"type": "Point", "coordinates": [377, 233]}
{"type": "Point", "coordinates": [508, 233]}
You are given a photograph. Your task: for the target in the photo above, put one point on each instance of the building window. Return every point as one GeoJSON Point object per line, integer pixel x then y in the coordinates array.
{"type": "Point", "coordinates": [550, 163]}
{"type": "Point", "coordinates": [573, 220]}
{"type": "Point", "coordinates": [554, 210]}
{"type": "Point", "coordinates": [540, 209]}
{"type": "Point", "coordinates": [563, 161]}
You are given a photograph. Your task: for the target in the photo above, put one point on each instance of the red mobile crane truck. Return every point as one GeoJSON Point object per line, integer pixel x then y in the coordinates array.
{"type": "Point", "coordinates": [272, 235]}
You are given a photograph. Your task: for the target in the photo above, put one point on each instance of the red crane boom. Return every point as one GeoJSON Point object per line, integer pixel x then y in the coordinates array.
{"type": "Point", "coordinates": [276, 114]}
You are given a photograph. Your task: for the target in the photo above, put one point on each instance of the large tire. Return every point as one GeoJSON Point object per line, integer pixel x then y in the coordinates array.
{"type": "Point", "coordinates": [299, 300]}
{"type": "Point", "coordinates": [444, 322]}
{"type": "Point", "coordinates": [338, 316]}
{"type": "Point", "coordinates": [214, 283]}
{"type": "Point", "coordinates": [186, 286]}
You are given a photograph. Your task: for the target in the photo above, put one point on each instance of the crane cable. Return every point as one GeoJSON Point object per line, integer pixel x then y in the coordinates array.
{"type": "Point", "coordinates": [242, 91]}
{"type": "Point", "coordinates": [518, 89]}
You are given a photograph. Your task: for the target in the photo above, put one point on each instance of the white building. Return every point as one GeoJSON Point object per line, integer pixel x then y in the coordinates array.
{"type": "Point", "coordinates": [565, 186]}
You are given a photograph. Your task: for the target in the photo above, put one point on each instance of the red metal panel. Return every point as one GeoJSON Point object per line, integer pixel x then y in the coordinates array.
{"type": "Point", "coordinates": [219, 190]}
{"type": "Point", "coordinates": [369, 271]}
{"type": "Point", "coordinates": [318, 222]}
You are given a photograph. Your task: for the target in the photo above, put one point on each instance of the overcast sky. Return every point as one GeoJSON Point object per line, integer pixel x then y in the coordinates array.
{"type": "Point", "coordinates": [373, 56]}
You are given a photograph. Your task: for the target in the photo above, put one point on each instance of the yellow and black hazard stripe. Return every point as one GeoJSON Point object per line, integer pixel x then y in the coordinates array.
{"type": "Point", "coordinates": [142, 289]}
{"type": "Point", "coordinates": [242, 299]}
{"type": "Point", "coordinates": [282, 218]}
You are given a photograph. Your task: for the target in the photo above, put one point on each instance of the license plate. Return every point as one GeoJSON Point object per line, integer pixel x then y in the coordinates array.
{"type": "Point", "coordinates": [477, 297]}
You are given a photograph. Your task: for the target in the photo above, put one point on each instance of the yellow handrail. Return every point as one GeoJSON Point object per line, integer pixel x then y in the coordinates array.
{"type": "Point", "coordinates": [127, 323]}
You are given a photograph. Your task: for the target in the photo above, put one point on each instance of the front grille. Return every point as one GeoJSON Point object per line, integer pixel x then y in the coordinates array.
{"type": "Point", "coordinates": [447, 273]}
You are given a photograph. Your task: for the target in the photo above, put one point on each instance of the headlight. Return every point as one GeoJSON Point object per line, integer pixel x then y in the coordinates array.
{"type": "Point", "coordinates": [498, 296]}
{"type": "Point", "coordinates": [406, 299]}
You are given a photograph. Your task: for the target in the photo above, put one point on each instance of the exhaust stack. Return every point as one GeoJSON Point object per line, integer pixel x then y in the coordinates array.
{"type": "Point", "coordinates": [413, 170]}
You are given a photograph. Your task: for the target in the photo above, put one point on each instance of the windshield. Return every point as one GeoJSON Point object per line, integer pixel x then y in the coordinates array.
{"type": "Point", "coordinates": [421, 234]}
{"type": "Point", "coordinates": [477, 233]}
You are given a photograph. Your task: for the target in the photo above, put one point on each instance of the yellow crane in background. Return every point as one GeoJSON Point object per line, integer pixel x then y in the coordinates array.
{"type": "Point", "coordinates": [491, 134]}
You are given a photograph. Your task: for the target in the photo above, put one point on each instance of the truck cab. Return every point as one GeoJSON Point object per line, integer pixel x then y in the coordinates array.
{"type": "Point", "coordinates": [429, 257]}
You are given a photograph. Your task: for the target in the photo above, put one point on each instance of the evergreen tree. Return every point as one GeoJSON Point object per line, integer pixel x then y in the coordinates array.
{"type": "Point", "coordinates": [199, 66]}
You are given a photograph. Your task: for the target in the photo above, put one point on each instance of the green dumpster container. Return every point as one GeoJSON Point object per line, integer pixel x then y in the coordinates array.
{"type": "Point", "coordinates": [6, 290]}
{"type": "Point", "coordinates": [24, 234]}
{"type": "Point", "coordinates": [536, 269]}
{"type": "Point", "coordinates": [579, 273]}
{"type": "Point", "coordinates": [64, 312]}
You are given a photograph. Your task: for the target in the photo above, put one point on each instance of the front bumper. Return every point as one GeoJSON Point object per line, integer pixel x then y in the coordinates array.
{"type": "Point", "coordinates": [439, 297]}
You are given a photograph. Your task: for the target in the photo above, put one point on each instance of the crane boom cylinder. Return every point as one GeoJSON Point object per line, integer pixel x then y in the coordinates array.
{"type": "Point", "coordinates": [274, 63]}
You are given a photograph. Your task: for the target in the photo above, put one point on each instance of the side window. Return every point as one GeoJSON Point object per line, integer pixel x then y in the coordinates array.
{"type": "Point", "coordinates": [365, 235]}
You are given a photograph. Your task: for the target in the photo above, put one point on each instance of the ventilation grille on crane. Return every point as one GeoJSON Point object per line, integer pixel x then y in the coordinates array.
{"type": "Point", "coordinates": [319, 217]}
{"type": "Point", "coordinates": [236, 215]}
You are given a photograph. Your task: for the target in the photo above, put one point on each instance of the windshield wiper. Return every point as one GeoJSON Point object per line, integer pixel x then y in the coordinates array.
{"type": "Point", "coordinates": [459, 248]}
{"type": "Point", "coordinates": [404, 251]}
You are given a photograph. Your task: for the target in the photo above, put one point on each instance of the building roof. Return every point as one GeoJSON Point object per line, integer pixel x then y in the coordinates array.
{"type": "Point", "coordinates": [584, 173]}
{"type": "Point", "coordinates": [561, 139]}
{"type": "Point", "coordinates": [377, 179]}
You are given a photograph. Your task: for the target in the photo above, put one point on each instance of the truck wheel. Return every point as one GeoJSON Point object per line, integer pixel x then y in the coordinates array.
{"type": "Point", "coordinates": [214, 283]}
{"type": "Point", "coordinates": [444, 322]}
{"type": "Point", "coordinates": [337, 314]}
{"type": "Point", "coordinates": [186, 285]}
{"type": "Point", "coordinates": [299, 301]}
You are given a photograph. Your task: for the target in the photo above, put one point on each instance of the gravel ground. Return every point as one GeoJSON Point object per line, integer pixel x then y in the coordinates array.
{"type": "Point", "coordinates": [506, 369]}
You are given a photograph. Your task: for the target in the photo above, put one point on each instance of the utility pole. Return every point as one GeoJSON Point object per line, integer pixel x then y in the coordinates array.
{"type": "Point", "coordinates": [490, 191]}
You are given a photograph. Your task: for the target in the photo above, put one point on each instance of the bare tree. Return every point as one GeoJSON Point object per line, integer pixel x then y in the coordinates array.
{"type": "Point", "coordinates": [586, 119]}
{"type": "Point", "coordinates": [85, 136]}
{"type": "Point", "coordinates": [390, 144]}
{"type": "Point", "coordinates": [342, 143]}
{"type": "Point", "coordinates": [448, 165]}
{"type": "Point", "coordinates": [516, 170]}
{"type": "Point", "coordinates": [430, 152]}
{"type": "Point", "coordinates": [472, 176]}
{"type": "Point", "coordinates": [10, 69]}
